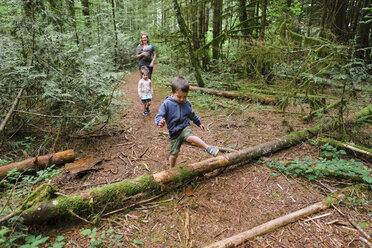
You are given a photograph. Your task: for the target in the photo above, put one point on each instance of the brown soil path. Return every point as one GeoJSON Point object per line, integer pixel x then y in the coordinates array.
{"type": "Point", "coordinates": [220, 205]}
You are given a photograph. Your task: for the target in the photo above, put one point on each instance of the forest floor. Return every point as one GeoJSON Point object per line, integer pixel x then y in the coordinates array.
{"type": "Point", "coordinates": [216, 206]}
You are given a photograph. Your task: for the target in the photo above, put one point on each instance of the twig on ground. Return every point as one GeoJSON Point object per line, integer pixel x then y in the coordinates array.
{"type": "Point", "coordinates": [80, 218]}
{"type": "Point", "coordinates": [352, 222]}
{"type": "Point", "coordinates": [135, 204]}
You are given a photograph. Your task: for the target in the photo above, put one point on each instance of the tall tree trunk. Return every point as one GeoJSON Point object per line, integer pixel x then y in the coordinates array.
{"type": "Point", "coordinates": [71, 10]}
{"type": "Point", "coordinates": [86, 11]}
{"type": "Point", "coordinates": [115, 31]}
{"type": "Point", "coordinates": [263, 19]}
{"type": "Point", "coordinates": [363, 37]}
{"type": "Point", "coordinates": [310, 13]}
{"type": "Point", "coordinates": [339, 26]}
{"type": "Point", "coordinates": [243, 17]}
{"type": "Point", "coordinates": [323, 19]}
{"type": "Point", "coordinates": [217, 28]}
{"type": "Point", "coordinates": [186, 34]}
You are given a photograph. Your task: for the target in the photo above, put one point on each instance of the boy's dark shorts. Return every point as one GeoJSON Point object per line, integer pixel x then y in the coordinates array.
{"type": "Point", "coordinates": [176, 141]}
{"type": "Point", "coordinates": [146, 100]}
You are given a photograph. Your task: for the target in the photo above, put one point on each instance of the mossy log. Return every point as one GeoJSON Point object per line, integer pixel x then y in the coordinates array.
{"type": "Point", "coordinates": [240, 238]}
{"type": "Point", "coordinates": [113, 196]}
{"type": "Point", "coordinates": [40, 162]}
{"type": "Point", "coordinates": [270, 97]}
{"type": "Point", "coordinates": [352, 148]}
{"type": "Point", "coordinates": [262, 98]}
{"type": "Point", "coordinates": [321, 110]}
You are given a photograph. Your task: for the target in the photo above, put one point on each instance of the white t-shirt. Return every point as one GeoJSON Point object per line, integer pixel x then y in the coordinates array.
{"type": "Point", "coordinates": [145, 90]}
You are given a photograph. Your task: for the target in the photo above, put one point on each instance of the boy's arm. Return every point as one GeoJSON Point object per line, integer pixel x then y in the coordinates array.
{"type": "Point", "coordinates": [161, 115]}
{"type": "Point", "coordinates": [153, 60]}
{"type": "Point", "coordinates": [194, 117]}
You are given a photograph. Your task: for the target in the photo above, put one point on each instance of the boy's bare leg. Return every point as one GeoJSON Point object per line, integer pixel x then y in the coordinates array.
{"type": "Point", "coordinates": [198, 141]}
{"type": "Point", "coordinates": [172, 160]}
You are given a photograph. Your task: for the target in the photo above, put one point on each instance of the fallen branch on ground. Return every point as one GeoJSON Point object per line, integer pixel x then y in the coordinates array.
{"type": "Point", "coordinates": [274, 224]}
{"type": "Point", "coordinates": [40, 162]}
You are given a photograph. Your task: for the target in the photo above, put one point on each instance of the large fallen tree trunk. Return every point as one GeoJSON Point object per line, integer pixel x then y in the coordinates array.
{"type": "Point", "coordinates": [259, 95]}
{"type": "Point", "coordinates": [264, 99]}
{"type": "Point", "coordinates": [39, 162]}
{"type": "Point", "coordinates": [112, 196]}
{"type": "Point", "coordinates": [274, 224]}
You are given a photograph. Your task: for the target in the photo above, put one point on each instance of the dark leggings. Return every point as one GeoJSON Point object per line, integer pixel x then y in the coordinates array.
{"type": "Point", "coordinates": [148, 67]}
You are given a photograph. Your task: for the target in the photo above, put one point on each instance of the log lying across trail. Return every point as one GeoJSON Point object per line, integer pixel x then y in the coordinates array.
{"type": "Point", "coordinates": [257, 95]}
{"type": "Point", "coordinates": [40, 162]}
{"type": "Point", "coordinates": [114, 195]}
{"type": "Point", "coordinates": [264, 99]}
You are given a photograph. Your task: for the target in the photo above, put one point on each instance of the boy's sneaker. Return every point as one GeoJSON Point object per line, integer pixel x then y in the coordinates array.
{"type": "Point", "coordinates": [212, 150]}
{"type": "Point", "coordinates": [148, 110]}
{"type": "Point", "coordinates": [145, 113]}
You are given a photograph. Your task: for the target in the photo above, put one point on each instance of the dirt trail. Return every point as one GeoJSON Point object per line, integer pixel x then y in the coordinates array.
{"type": "Point", "coordinates": [219, 205]}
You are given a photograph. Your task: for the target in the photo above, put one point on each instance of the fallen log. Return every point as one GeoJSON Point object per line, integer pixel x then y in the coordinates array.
{"type": "Point", "coordinates": [352, 148]}
{"type": "Point", "coordinates": [255, 97]}
{"type": "Point", "coordinates": [113, 195]}
{"type": "Point", "coordinates": [321, 110]}
{"type": "Point", "coordinates": [39, 162]}
{"type": "Point", "coordinates": [274, 224]}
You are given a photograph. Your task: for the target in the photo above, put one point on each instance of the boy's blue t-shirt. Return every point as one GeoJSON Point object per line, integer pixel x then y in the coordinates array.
{"type": "Point", "coordinates": [177, 115]}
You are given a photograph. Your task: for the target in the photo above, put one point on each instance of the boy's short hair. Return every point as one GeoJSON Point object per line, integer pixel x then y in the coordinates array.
{"type": "Point", "coordinates": [180, 83]}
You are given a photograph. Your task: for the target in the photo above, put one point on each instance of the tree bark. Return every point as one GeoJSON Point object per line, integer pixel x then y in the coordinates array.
{"type": "Point", "coordinates": [217, 28]}
{"type": "Point", "coordinates": [263, 19]}
{"type": "Point", "coordinates": [363, 37]}
{"type": "Point", "coordinates": [240, 238]}
{"type": "Point", "coordinates": [115, 32]}
{"type": "Point", "coordinates": [113, 195]}
{"type": "Point", "coordinates": [86, 11]}
{"type": "Point", "coordinates": [11, 110]}
{"type": "Point", "coordinates": [186, 33]}
{"type": "Point", "coordinates": [39, 162]}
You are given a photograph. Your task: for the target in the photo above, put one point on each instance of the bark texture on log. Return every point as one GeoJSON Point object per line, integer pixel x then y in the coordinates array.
{"type": "Point", "coordinates": [271, 225]}
{"type": "Point", "coordinates": [40, 161]}
{"type": "Point", "coordinates": [113, 195]}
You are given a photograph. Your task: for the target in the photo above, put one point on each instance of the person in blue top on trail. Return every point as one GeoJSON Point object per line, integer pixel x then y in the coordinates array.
{"type": "Point", "coordinates": [176, 111]}
{"type": "Point", "coordinates": [146, 53]}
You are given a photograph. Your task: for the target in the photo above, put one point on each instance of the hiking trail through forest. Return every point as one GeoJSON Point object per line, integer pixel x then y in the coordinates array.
{"type": "Point", "coordinates": [216, 206]}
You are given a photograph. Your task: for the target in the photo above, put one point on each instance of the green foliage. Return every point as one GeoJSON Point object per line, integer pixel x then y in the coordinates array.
{"type": "Point", "coordinates": [106, 239]}
{"type": "Point", "coordinates": [329, 165]}
{"type": "Point", "coordinates": [32, 241]}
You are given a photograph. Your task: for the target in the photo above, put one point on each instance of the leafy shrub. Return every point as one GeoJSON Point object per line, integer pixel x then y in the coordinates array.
{"type": "Point", "coordinates": [330, 165]}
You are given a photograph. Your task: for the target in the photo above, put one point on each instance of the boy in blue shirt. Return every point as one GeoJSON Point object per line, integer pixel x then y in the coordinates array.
{"type": "Point", "coordinates": [176, 112]}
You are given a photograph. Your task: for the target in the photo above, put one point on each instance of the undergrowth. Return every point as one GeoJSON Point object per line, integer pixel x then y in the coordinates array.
{"type": "Point", "coordinates": [330, 164]}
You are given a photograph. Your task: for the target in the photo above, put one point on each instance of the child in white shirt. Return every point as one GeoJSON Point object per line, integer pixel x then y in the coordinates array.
{"type": "Point", "coordinates": [145, 90]}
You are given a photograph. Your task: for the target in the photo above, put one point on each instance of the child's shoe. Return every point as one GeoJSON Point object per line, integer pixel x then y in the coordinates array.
{"type": "Point", "coordinates": [148, 110]}
{"type": "Point", "coordinates": [212, 150]}
{"type": "Point", "coordinates": [145, 113]}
